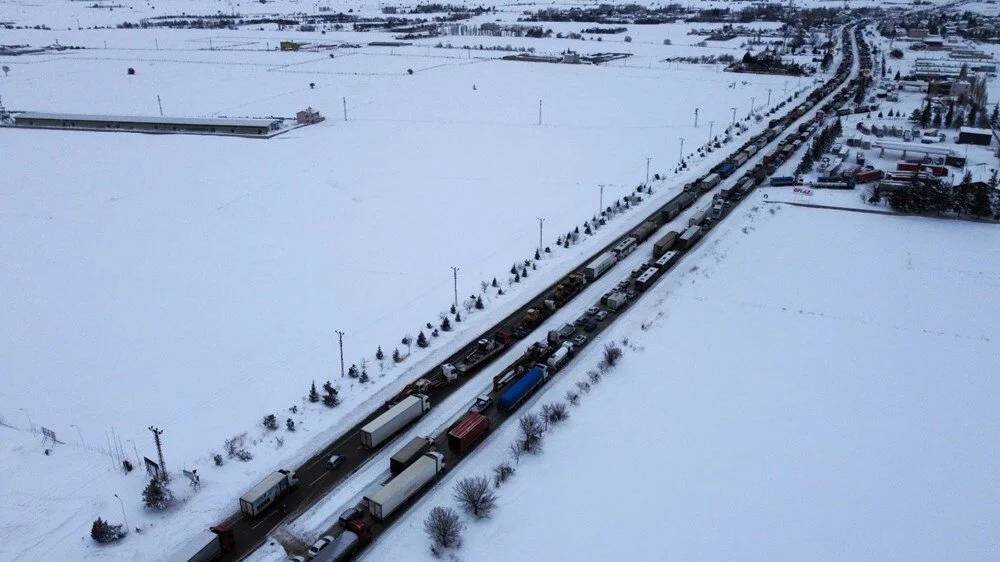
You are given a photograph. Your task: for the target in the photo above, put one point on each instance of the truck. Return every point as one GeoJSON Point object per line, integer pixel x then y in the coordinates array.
{"type": "Point", "coordinates": [375, 432]}
{"type": "Point", "coordinates": [647, 278]}
{"type": "Point", "coordinates": [208, 545]}
{"type": "Point", "coordinates": [485, 349]}
{"type": "Point", "coordinates": [616, 300]}
{"type": "Point", "coordinates": [561, 356]}
{"type": "Point", "coordinates": [347, 543]}
{"type": "Point", "coordinates": [665, 261]}
{"type": "Point", "coordinates": [517, 392]}
{"type": "Point", "coordinates": [867, 176]}
{"type": "Point", "coordinates": [267, 491]}
{"type": "Point", "coordinates": [409, 453]}
{"type": "Point", "coordinates": [625, 247]}
{"type": "Point", "coordinates": [689, 237]}
{"type": "Point", "coordinates": [644, 231]}
{"type": "Point", "coordinates": [383, 502]}
{"type": "Point", "coordinates": [602, 263]}
{"type": "Point", "coordinates": [468, 432]}
{"type": "Point", "coordinates": [709, 181]}
{"type": "Point", "coordinates": [784, 180]}
{"type": "Point", "coordinates": [699, 216]}
{"type": "Point", "coordinates": [665, 243]}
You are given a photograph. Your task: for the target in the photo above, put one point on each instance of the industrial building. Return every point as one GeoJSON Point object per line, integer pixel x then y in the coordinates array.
{"type": "Point", "coordinates": [259, 128]}
{"type": "Point", "coordinates": [972, 135]}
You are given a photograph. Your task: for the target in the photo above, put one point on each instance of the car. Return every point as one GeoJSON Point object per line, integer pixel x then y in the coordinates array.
{"type": "Point", "coordinates": [590, 326]}
{"type": "Point", "coordinates": [600, 316]}
{"type": "Point", "coordinates": [593, 310]}
{"type": "Point", "coordinates": [580, 321]}
{"type": "Point", "coordinates": [350, 514]}
{"type": "Point", "coordinates": [296, 558]}
{"type": "Point", "coordinates": [334, 462]}
{"type": "Point", "coordinates": [578, 341]}
{"type": "Point", "coordinates": [319, 545]}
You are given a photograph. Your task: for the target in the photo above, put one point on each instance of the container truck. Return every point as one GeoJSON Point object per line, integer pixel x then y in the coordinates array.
{"type": "Point", "coordinates": [616, 300]}
{"type": "Point", "coordinates": [468, 432]}
{"type": "Point", "coordinates": [266, 491]}
{"type": "Point", "coordinates": [517, 392]}
{"type": "Point", "coordinates": [388, 498]}
{"type": "Point", "coordinates": [625, 247]}
{"type": "Point", "coordinates": [485, 349]}
{"type": "Point", "coordinates": [783, 180]}
{"type": "Point", "coordinates": [665, 261]}
{"type": "Point", "coordinates": [208, 545]}
{"type": "Point", "coordinates": [689, 237]}
{"type": "Point", "coordinates": [409, 453]}
{"type": "Point", "coordinates": [699, 216]}
{"type": "Point", "coordinates": [647, 278]}
{"type": "Point", "coordinates": [602, 263]}
{"type": "Point", "coordinates": [710, 181]}
{"type": "Point", "coordinates": [664, 244]}
{"type": "Point", "coordinates": [644, 230]}
{"type": "Point", "coordinates": [345, 544]}
{"type": "Point", "coordinates": [375, 432]}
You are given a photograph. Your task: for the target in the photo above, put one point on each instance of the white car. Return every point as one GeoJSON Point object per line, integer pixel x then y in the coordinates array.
{"type": "Point", "coordinates": [319, 545]}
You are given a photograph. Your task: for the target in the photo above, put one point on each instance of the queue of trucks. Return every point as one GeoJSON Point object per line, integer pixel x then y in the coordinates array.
{"type": "Point", "coordinates": [416, 465]}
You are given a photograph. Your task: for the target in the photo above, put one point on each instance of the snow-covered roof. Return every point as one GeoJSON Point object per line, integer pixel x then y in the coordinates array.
{"type": "Point", "coordinates": [220, 122]}
{"type": "Point", "coordinates": [975, 131]}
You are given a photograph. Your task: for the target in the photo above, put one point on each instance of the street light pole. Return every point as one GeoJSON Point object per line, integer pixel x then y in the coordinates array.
{"type": "Point", "coordinates": [121, 503]}
{"type": "Point", "coordinates": [753, 101]}
{"type": "Point", "coordinates": [734, 116]}
{"type": "Point", "coordinates": [711, 125]}
{"type": "Point", "coordinates": [647, 169]}
{"type": "Point", "coordinates": [340, 340]}
{"type": "Point", "coordinates": [696, 118]}
{"type": "Point", "coordinates": [454, 275]}
{"type": "Point", "coordinates": [769, 97]}
{"type": "Point", "coordinates": [680, 155]}
{"type": "Point", "coordinates": [541, 222]}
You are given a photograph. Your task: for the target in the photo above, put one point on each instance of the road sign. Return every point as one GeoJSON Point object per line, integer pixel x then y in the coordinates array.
{"type": "Point", "coordinates": [192, 475]}
{"type": "Point", "coordinates": [152, 468]}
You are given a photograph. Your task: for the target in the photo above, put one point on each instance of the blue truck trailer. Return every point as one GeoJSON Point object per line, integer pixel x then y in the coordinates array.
{"type": "Point", "coordinates": [517, 392]}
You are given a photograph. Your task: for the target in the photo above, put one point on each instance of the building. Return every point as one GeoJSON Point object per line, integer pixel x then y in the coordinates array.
{"type": "Point", "coordinates": [262, 128]}
{"type": "Point", "coordinates": [972, 135]}
{"type": "Point", "coordinates": [308, 116]}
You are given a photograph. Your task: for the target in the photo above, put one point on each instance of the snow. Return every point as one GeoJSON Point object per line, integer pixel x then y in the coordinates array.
{"type": "Point", "coordinates": [195, 283]}
{"type": "Point", "coordinates": [819, 386]}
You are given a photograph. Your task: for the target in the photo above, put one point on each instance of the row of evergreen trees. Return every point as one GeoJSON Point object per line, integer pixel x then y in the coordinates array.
{"type": "Point", "coordinates": [955, 116]}
{"type": "Point", "coordinates": [968, 198]}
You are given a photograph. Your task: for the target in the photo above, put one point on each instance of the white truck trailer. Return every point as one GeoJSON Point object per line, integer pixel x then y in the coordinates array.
{"type": "Point", "coordinates": [387, 499]}
{"type": "Point", "coordinates": [597, 267]}
{"type": "Point", "coordinates": [266, 491]}
{"type": "Point", "coordinates": [375, 432]}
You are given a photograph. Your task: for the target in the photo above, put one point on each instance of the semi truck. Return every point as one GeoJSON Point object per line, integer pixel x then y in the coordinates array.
{"type": "Point", "coordinates": [647, 278]}
{"type": "Point", "coordinates": [409, 453]}
{"type": "Point", "coordinates": [596, 268]}
{"type": "Point", "coordinates": [485, 349]}
{"type": "Point", "coordinates": [468, 432]}
{"type": "Point", "coordinates": [375, 432]}
{"type": "Point", "coordinates": [665, 261]}
{"type": "Point", "coordinates": [208, 545]}
{"type": "Point", "coordinates": [388, 498]}
{"type": "Point", "coordinates": [517, 392]}
{"type": "Point", "coordinates": [689, 237]}
{"type": "Point", "coordinates": [561, 356]}
{"type": "Point", "coordinates": [267, 491]}
{"type": "Point", "coordinates": [665, 243]}
{"type": "Point", "coordinates": [346, 543]}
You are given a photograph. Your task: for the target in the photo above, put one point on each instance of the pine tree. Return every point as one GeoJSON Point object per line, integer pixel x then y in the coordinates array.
{"type": "Point", "coordinates": [495, 284]}
{"type": "Point", "coordinates": [156, 496]}
{"type": "Point", "coordinates": [378, 354]}
{"type": "Point", "coordinates": [479, 302]}
{"type": "Point", "coordinates": [445, 324]}
{"type": "Point", "coordinates": [950, 116]}
{"type": "Point", "coordinates": [290, 424]}
{"type": "Point", "coordinates": [103, 532]}
{"type": "Point", "coordinates": [271, 422]}
{"type": "Point", "coordinates": [517, 276]}
{"type": "Point", "coordinates": [458, 317]}
{"type": "Point", "coordinates": [981, 206]}
{"type": "Point", "coordinates": [538, 255]}
{"type": "Point", "coordinates": [422, 339]}
{"type": "Point", "coordinates": [995, 116]}
{"type": "Point", "coordinates": [925, 115]}
{"type": "Point", "coordinates": [916, 116]}
{"type": "Point", "coordinates": [331, 398]}
{"type": "Point", "coordinates": [396, 358]}
{"type": "Point", "coordinates": [313, 395]}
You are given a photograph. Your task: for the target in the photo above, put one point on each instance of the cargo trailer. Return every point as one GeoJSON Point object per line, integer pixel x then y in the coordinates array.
{"type": "Point", "coordinates": [388, 498]}
{"type": "Point", "coordinates": [561, 356]}
{"type": "Point", "coordinates": [375, 432]}
{"type": "Point", "coordinates": [689, 237]}
{"type": "Point", "coordinates": [468, 432]}
{"type": "Point", "coordinates": [665, 261]}
{"type": "Point", "coordinates": [616, 300]}
{"type": "Point", "coordinates": [665, 243]}
{"type": "Point", "coordinates": [602, 263]}
{"type": "Point", "coordinates": [409, 453]}
{"type": "Point", "coordinates": [208, 545]}
{"type": "Point", "coordinates": [517, 392]}
{"type": "Point", "coordinates": [647, 278]}
{"type": "Point", "coordinates": [267, 491]}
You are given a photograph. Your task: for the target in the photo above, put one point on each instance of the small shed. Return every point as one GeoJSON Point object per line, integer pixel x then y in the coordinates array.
{"type": "Point", "coordinates": [308, 116]}
{"type": "Point", "coordinates": [972, 135]}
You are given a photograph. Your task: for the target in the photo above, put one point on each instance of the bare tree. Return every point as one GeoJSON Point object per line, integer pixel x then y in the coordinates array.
{"type": "Point", "coordinates": [444, 527]}
{"type": "Point", "coordinates": [594, 376]}
{"type": "Point", "coordinates": [515, 451]}
{"type": "Point", "coordinates": [532, 430]}
{"type": "Point", "coordinates": [554, 412]}
{"type": "Point", "coordinates": [501, 473]}
{"type": "Point", "coordinates": [475, 496]}
{"type": "Point", "coordinates": [584, 386]}
{"type": "Point", "coordinates": [573, 397]}
{"type": "Point", "coordinates": [612, 353]}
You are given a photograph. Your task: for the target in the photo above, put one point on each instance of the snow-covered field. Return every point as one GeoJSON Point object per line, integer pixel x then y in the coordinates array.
{"type": "Point", "coordinates": [195, 283]}
{"type": "Point", "coordinates": [807, 384]}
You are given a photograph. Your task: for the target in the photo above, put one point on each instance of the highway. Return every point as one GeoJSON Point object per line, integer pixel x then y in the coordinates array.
{"type": "Point", "coordinates": [316, 481]}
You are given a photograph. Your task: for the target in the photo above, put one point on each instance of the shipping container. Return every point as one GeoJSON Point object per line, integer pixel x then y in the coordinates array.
{"type": "Point", "coordinates": [616, 300]}
{"type": "Point", "coordinates": [665, 261]}
{"type": "Point", "coordinates": [388, 498]}
{"type": "Point", "coordinates": [644, 230]}
{"type": "Point", "coordinates": [689, 237]}
{"type": "Point", "coordinates": [647, 278]}
{"type": "Point", "coordinates": [665, 243]}
{"type": "Point", "coordinates": [625, 247]}
{"type": "Point", "coordinates": [267, 491]}
{"type": "Point", "coordinates": [409, 453]}
{"type": "Point", "coordinates": [710, 181]}
{"type": "Point", "coordinates": [468, 432]}
{"type": "Point", "coordinates": [375, 432]}
{"type": "Point", "coordinates": [602, 263]}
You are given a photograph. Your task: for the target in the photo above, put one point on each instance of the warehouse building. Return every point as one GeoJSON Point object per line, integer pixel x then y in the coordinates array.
{"type": "Point", "coordinates": [261, 128]}
{"type": "Point", "coordinates": [972, 135]}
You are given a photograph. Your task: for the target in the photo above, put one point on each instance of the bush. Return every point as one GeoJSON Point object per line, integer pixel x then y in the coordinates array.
{"type": "Point", "coordinates": [532, 430]}
{"type": "Point", "coordinates": [234, 448]}
{"type": "Point", "coordinates": [217, 459]}
{"type": "Point", "coordinates": [156, 495]}
{"type": "Point", "coordinates": [555, 412]}
{"type": "Point", "coordinates": [612, 353]}
{"type": "Point", "coordinates": [103, 532]}
{"type": "Point", "coordinates": [270, 422]}
{"type": "Point", "coordinates": [474, 495]}
{"type": "Point", "coordinates": [501, 473]}
{"type": "Point", "coordinates": [444, 527]}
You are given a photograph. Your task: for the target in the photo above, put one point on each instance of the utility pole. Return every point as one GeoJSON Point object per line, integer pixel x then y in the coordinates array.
{"type": "Point", "coordinates": [157, 43]}
{"type": "Point", "coordinates": [159, 103]}
{"type": "Point", "coordinates": [601, 208]}
{"type": "Point", "coordinates": [696, 118]}
{"type": "Point", "coordinates": [647, 169]}
{"type": "Point", "coordinates": [753, 101]}
{"type": "Point", "coordinates": [345, 108]}
{"type": "Point", "coordinates": [121, 503]}
{"type": "Point", "coordinates": [680, 157]}
{"type": "Point", "coordinates": [541, 223]}
{"type": "Point", "coordinates": [769, 97]}
{"type": "Point", "coordinates": [711, 125]}
{"type": "Point", "coordinates": [340, 340]}
{"type": "Point", "coordinates": [734, 116]}
{"type": "Point", "coordinates": [539, 112]}
{"type": "Point", "coordinates": [159, 451]}
{"type": "Point", "coordinates": [454, 274]}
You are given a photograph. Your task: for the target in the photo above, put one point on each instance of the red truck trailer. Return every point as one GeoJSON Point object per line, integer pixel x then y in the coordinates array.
{"type": "Point", "coordinates": [468, 432]}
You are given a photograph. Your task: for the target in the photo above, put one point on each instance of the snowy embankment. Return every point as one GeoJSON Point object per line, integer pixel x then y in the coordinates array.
{"type": "Point", "coordinates": [827, 374]}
